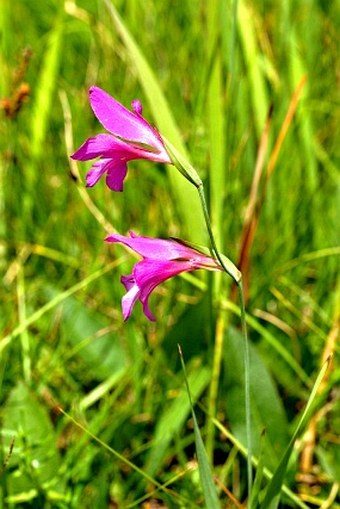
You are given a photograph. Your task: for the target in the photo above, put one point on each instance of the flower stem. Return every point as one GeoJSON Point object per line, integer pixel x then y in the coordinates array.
{"type": "Point", "coordinates": [200, 190]}
{"type": "Point", "coordinates": [246, 364]}
{"type": "Point", "coordinates": [219, 348]}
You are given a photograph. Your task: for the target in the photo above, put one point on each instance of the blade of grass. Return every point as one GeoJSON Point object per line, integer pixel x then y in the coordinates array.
{"type": "Point", "coordinates": [41, 113]}
{"type": "Point", "coordinates": [115, 453]}
{"type": "Point", "coordinates": [217, 185]}
{"type": "Point", "coordinates": [267, 473]}
{"type": "Point", "coordinates": [173, 418]}
{"type": "Point", "coordinates": [5, 44]}
{"type": "Point", "coordinates": [309, 257]}
{"type": "Point", "coordinates": [308, 452]}
{"type": "Point", "coordinates": [272, 496]}
{"type": "Point", "coordinates": [216, 122]}
{"type": "Point", "coordinates": [251, 54]}
{"type": "Point", "coordinates": [249, 225]}
{"type": "Point", "coordinates": [257, 197]}
{"type": "Point", "coordinates": [258, 477]}
{"type": "Point", "coordinates": [45, 87]}
{"type": "Point", "coordinates": [184, 193]}
{"type": "Point", "coordinates": [206, 476]}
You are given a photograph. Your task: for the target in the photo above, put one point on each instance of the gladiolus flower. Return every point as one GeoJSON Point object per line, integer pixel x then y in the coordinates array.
{"type": "Point", "coordinates": [132, 137]}
{"type": "Point", "coordinates": [162, 259]}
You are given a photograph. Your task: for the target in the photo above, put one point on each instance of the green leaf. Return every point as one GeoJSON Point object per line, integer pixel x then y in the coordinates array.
{"type": "Point", "coordinates": [206, 475]}
{"type": "Point", "coordinates": [34, 461]}
{"type": "Point", "coordinates": [174, 416]}
{"type": "Point", "coordinates": [272, 497]}
{"type": "Point", "coordinates": [266, 407]}
{"type": "Point", "coordinates": [258, 478]}
{"type": "Point", "coordinates": [103, 354]}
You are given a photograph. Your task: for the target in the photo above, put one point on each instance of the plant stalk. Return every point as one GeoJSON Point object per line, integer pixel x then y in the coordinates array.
{"type": "Point", "coordinates": [219, 350]}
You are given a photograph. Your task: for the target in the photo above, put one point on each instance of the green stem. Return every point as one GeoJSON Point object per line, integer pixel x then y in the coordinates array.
{"type": "Point", "coordinates": [200, 190]}
{"type": "Point", "coordinates": [218, 347]}
{"type": "Point", "coordinates": [246, 362]}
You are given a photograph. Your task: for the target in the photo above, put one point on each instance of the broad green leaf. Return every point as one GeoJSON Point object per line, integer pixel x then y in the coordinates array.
{"type": "Point", "coordinates": [173, 417]}
{"type": "Point", "coordinates": [34, 461]}
{"type": "Point", "coordinates": [266, 407]}
{"type": "Point", "coordinates": [104, 354]}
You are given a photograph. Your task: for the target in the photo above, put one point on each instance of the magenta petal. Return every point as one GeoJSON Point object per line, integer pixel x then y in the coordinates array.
{"type": "Point", "coordinates": [116, 175]}
{"type": "Point", "coordinates": [151, 248]}
{"type": "Point", "coordinates": [117, 119]}
{"type": "Point", "coordinates": [100, 145]}
{"type": "Point", "coordinates": [97, 170]}
{"type": "Point", "coordinates": [147, 312]}
{"type": "Point", "coordinates": [137, 107]}
{"type": "Point", "coordinates": [127, 125]}
{"type": "Point", "coordinates": [128, 301]}
{"type": "Point", "coordinates": [160, 249]}
{"type": "Point", "coordinates": [148, 274]}
{"type": "Point", "coordinates": [132, 295]}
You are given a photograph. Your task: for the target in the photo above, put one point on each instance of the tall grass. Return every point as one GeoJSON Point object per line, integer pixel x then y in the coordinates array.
{"type": "Point", "coordinates": [94, 411]}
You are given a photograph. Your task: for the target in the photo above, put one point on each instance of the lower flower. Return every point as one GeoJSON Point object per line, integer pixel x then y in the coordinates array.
{"type": "Point", "coordinates": [161, 260]}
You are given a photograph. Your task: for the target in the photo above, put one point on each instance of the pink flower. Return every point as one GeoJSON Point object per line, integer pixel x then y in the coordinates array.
{"type": "Point", "coordinates": [132, 137]}
{"type": "Point", "coordinates": [162, 259]}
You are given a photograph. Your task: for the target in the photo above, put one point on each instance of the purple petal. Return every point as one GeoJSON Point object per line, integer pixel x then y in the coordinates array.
{"type": "Point", "coordinates": [148, 274]}
{"type": "Point", "coordinates": [124, 123]}
{"type": "Point", "coordinates": [108, 146]}
{"type": "Point", "coordinates": [137, 107]}
{"type": "Point", "coordinates": [164, 249]}
{"type": "Point", "coordinates": [116, 175]}
{"type": "Point", "coordinates": [129, 299]}
{"type": "Point", "coordinates": [160, 249]}
{"type": "Point", "coordinates": [100, 145]}
{"type": "Point", "coordinates": [97, 170]}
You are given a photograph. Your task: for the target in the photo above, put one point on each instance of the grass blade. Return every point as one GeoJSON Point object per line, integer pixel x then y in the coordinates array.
{"type": "Point", "coordinates": [45, 89]}
{"type": "Point", "coordinates": [272, 496]}
{"type": "Point", "coordinates": [184, 193]}
{"type": "Point", "coordinates": [206, 476]}
{"type": "Point", "coordinates": [251, 55]}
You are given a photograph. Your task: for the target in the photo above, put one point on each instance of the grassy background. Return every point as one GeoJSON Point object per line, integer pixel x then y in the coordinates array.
{"type": "Point", "coordinates": [208, 78]}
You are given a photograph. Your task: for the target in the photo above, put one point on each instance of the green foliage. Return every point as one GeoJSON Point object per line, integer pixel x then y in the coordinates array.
{"type": "Point", "coordinates": [94, 411]}
{"type": "Point", "coordinates": [266, 406]}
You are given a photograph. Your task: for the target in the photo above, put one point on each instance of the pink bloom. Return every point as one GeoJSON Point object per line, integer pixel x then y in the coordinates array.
{"type": "Point", "coordinates": [162, 259]}
{"type": "Point", "coordinates": [132, 137]}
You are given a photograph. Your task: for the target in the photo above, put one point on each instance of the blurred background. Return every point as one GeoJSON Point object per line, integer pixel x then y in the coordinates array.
{"type": "Point", "coordinates": [249, 92]}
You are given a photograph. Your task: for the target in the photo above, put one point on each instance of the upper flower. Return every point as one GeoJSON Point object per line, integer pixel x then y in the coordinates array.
{"type": "Point", "coordinates": [162, 259]}
{"type": "Point", "coordinates": [132, 137]}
